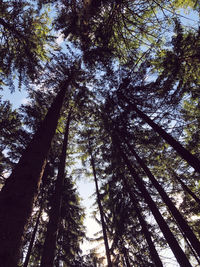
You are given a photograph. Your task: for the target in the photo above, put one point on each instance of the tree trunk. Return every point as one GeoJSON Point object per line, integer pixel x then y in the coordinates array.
{"type": "Point", "coordinates": [49, 248]}
{"type": "Point", "coordinates": [176, 214]}
{"type": "Point", "coordinates": [21, 188]}
{"type": "Point", "coordinates": [100, 209]}
{"type": "Point", "coordinates": [184, 153]}
{"type": "Point", "coordinates": [187, 189]}
{"type": "Point", "coordinates": [189, 247]}
{"type": "Point", "coordinates": [153, 252]}
{"type": "Point", "coordinates": [33, 238]}
{"type": "Point", "coordinates": [178, 252]}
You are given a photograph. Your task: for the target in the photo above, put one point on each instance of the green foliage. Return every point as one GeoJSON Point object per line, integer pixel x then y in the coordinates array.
{"type": "Point", "coordinates": [25, 35]}
{"type": "Point", "coordinates": [13, 138]}
{"type": "Point", "coordinates": [179, 66]}
{"type": "Point", "coordinates": [186, 3]}
{"type": "Point", "coordinates": [117, 54]}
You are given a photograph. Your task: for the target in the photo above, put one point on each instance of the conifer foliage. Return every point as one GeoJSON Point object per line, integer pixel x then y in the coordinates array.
{"type": "Point", "coordinates": [117, 98]}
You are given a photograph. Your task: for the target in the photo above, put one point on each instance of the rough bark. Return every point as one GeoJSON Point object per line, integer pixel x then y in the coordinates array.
{"type": "Point", "coordinates": [49, 248]}
{"type": "Point", "coordinates": [21, 188]}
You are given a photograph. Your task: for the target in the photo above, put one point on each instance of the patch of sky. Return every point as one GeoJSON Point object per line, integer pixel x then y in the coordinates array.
{"type": "Point", "coordinates": [17, 98]}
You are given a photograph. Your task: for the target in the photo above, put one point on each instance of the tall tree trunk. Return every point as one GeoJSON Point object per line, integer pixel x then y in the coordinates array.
{"type": "Point", "coordinates": [100, 208]}
{"type": "Point", "coordinates": [184, 153]}
{"type": "Point", "coordinates": [189, 245]}
{"type": "Point", "coordinates": [49, 248]}
{"type": "Point", "coordinates": [33, 237]}
{"type": "Point", "coordinates": [21, 188]}
{"type": "Point", "coordinates": [44, 178]}
{"type": "Point", "coordinates": [176, 214]}
{"type": "Point", "coordinates": [178, 252]}
{"type": "Point", "coordinates": [153, 252]}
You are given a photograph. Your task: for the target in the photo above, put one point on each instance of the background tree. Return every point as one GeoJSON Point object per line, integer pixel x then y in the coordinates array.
{"type": "Point", "coordinates": [25, 35]}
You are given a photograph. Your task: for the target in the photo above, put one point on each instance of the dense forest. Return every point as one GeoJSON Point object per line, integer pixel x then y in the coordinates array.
{"type": "Point", "coordinates": [118, 101]}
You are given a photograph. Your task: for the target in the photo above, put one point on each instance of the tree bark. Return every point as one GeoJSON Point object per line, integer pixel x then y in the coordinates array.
{"type": "Point", "coordinates": [178, 252]}
{"type": "Point", "coordinates": [176, 214]}
{"type": "Point", "coordinates": [153, 252]}
{"type": "Point", "coordinates": [21, 188]}
{"type": "Point", "coordinates": [49, 247]}
{"type": "Point", "coordinates": [100, 209]}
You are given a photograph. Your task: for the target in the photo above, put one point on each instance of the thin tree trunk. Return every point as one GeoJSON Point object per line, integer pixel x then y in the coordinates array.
{"type": "Point", "coordinates": [44, 177]}
{"type": "Point", "coordinates": [184, 153]}
{"type": "Point", "coordinates": [33, 237]}
{"type": "Point", "coordinates": [21, 188]}
{"type": "Point", "coordinates": [176, 214]}
{"type": "Point", "coordinates": [187, 189]}
{"type": "Point", "coordinates": [178, 252]}
{"type": "Point", "coordinates": [49, 248]}
{"type": "Point", "coordinates": [153, 252]}
{"type": "Point", "coordinates": [100, 209]}
{"type": "Point", "coordinates": [189, 245]}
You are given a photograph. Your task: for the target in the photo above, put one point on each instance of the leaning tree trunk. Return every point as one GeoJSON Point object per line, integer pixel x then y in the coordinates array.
{"type": "Point", "coordinates": [178, 252]}
{"type": "Point", "coordinates": [21, 188]}
{"type": "Point", "coordinates": [174, 211]}
{"type": "Point", "coordinates": [49, 248]}
{"type": "Point", "coordinates": [184, 153]}
{"type": "Point", "coordinates": [30, 247]}
{"type": "Point", "coordinates": [153, 252]}
{"type": "Point", "coordinates": [187, 189]}
{"type": "Point", "coordinates": [100, 209]}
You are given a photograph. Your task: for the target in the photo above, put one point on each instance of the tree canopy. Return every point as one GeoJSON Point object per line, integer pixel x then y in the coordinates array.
{"type": "Point", "coordinates": [116, 101]}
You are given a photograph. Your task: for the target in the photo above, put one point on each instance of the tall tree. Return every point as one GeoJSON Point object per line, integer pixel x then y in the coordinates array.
{"type": "Point", "coordinates": [184, 153]}
{"type": "Point", "coordinates": [92, 162]}
{"type": "Point", "coordinates": [16, 200]}
{"type": "Point", "coordinates": [54, 217]}
{"type": "Point", "coordinates": [180, 220]}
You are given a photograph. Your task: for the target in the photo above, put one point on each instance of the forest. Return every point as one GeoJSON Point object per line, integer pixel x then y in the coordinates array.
{"type": "Point", "coordinates": [114, 97]}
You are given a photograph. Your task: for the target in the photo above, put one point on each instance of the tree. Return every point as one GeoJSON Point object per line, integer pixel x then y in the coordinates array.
{"type": "Point", "coordinates": [92, 162]}
{"type": "Point", "coordinates": [178, 252]}
{"type": "Point", "coordinates": [108, 40]}
{"type": "Point", "coordinates": [53, 225]}
{"type": "Point", "coordinates": [24, 35]}
{"type": "Point", "coordinates": [20, 204]}
{"type": "Point", "coordinates": [11, 135]}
